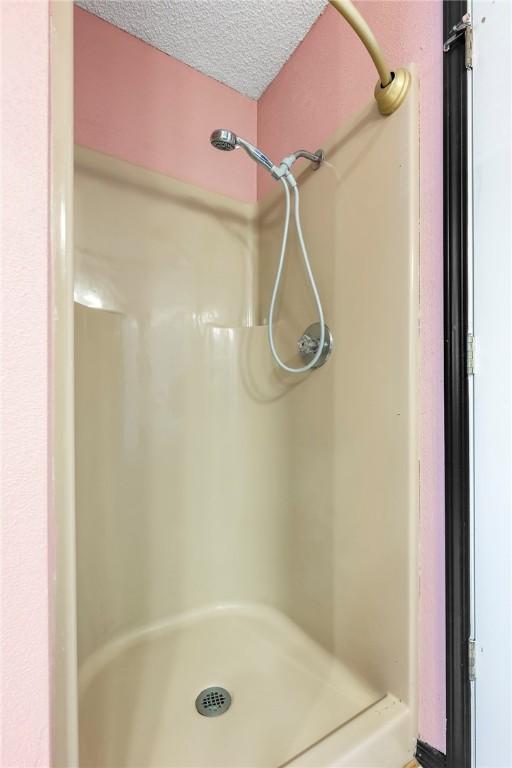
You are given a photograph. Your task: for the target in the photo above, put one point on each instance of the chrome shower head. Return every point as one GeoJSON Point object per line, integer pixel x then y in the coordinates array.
{"type": "Point", "coordinates": [227, 141]}
{"type": "Point", "coordinates": [224, 140]}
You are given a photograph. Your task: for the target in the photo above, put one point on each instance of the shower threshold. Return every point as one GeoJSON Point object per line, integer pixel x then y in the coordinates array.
{"type": "Point", "coordinates": [138, 693]}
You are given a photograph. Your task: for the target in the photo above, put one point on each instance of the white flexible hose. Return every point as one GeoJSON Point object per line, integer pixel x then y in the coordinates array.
{"type": "Point", "coordinates": [291, 181]}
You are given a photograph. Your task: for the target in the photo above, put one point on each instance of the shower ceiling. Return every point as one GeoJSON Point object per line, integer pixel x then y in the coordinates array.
{"type": "Point", "coordinates": [242, 43]}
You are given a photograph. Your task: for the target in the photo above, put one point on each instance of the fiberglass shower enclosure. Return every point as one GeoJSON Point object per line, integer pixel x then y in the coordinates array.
{"type": "Point", "coordinates": [239, 527]}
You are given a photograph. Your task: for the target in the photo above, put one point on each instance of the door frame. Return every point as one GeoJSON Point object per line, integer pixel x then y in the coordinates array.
{"type": "Point", "coordinates": [457, 224]}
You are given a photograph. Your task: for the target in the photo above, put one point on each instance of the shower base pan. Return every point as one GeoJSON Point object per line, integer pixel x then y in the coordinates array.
{"type": "Point", "coordinates": [289, 697]}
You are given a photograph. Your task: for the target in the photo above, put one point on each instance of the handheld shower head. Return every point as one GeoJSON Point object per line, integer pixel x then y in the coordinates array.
{"type": "Point", "coordinates": [223, 140]}
{"type": "Point", "coordinates": [227, 141]}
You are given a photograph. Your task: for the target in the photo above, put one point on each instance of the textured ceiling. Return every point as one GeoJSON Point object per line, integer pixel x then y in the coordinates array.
{"type": "Point", "coordinates": [242, 43]}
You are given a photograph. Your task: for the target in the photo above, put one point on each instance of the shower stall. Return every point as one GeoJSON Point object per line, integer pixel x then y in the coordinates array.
{"type": "Point", "coordinates": [245, 536]}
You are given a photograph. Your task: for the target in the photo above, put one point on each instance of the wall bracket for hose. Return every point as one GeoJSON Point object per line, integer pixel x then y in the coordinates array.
{"type": "Point", "coordinates": [316, 158]}
{"type": "Point", "coordinates": [283, 169]}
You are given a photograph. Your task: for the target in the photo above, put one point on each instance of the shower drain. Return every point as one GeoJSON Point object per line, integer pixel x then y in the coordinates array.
{"type": "Point", "coordinates": [213, 701]}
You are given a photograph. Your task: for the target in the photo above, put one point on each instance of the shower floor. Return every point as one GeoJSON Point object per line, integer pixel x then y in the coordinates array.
{"type": "Point", "coordinates": [137, 701]}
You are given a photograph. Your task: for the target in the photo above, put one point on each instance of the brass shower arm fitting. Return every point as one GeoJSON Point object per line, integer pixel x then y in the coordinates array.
{"type": "Point", "coordinates": [392, 87]}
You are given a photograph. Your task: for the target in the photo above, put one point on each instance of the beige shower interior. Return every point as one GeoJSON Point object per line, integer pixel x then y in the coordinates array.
{"type": "Point", "coordinates": [237, 526]}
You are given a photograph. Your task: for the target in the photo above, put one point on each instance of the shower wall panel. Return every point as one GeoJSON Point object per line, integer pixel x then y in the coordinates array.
{"type": "Point", "coordinates": [353, 452]}
{"type": "Point", "coordinates": [183, 460]}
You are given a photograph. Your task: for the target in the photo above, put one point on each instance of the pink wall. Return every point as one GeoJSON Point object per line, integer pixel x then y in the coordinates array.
{"type": "Point", "coordinates": [24, 633]}
{"type": "Point", "coordinates": [328, 78]}
{"type": "Point", "coordinates": [141, 105]}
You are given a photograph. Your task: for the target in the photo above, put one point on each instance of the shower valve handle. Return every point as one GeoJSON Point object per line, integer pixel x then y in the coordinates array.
{"type": "Point", "coordinates": [310, 341]}
{"type": "Point", "coordinates": [307, 345]}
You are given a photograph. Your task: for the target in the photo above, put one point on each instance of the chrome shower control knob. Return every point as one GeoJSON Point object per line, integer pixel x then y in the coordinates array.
{"type": "Point", "coordinates": [309, 342]}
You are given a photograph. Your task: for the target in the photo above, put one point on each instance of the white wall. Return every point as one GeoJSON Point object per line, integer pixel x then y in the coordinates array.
{"type": "Point", "coordinates": [493, 382]}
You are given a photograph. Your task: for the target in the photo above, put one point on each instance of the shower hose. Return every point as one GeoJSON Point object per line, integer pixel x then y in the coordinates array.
{"type": "Point", "coordinates": [288, 180]}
